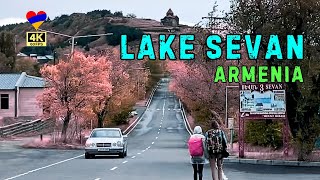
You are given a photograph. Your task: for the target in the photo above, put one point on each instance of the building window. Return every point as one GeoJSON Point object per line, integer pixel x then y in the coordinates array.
{"type": "Point", "coordinates": [4, 101]}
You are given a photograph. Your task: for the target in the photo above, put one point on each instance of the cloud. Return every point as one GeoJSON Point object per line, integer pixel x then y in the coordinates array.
{"type": "Point", "coordinates": [6, 21]}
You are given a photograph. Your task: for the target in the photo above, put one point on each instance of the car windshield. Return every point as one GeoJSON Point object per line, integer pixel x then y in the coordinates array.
{"type": "Point", "coordinates": [106, 133]}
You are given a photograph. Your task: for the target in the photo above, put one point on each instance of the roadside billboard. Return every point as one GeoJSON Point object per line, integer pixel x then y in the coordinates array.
{"type": "Point", "coordinates": [263, 101]}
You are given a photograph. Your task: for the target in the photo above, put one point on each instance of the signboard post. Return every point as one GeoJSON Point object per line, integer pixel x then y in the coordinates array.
{"type": "Point", "coordinates": [262, 101]}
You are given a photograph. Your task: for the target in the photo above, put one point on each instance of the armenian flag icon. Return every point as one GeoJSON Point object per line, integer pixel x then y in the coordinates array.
{"type": "Point", "coordinates": [36, 20]}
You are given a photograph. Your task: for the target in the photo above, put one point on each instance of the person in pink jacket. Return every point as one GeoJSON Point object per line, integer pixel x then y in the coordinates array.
{"type": "Point", "coordinates": [198, 161]}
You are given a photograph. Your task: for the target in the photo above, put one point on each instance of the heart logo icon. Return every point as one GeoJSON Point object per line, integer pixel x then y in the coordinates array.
{"type": "Point", "coordinates": [36, 20]}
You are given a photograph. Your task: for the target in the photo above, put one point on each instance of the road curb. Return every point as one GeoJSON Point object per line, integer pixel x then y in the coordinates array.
{"type": "Point", "coordinates": [272, 162]}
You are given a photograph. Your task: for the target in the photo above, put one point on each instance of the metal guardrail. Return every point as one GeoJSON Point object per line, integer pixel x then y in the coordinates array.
{"type": "Point", "coordinates": [185, 119]}
{"type": "Point", "coordinates": [20, 128]}
{"type": "Point", "coordinates": [136, 122]}
{"type": "Point", "coordinates": [151, 95]}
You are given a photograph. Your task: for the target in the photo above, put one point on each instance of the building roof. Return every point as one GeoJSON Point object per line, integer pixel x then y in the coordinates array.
{"type": "Point", "coordinates": [170, 12]}
{"type": "Point", "coordinates": [20, 54]}
{"type": "Point", "coordinates": [8, 81]}
{"type": "Point", "coordinates": [12, 81]}
{"type": "Point", "coordinates": [46, 57]}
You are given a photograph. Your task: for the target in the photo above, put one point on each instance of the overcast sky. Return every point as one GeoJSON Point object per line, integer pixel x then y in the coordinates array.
{"type": "Point", "coordinates": [189, 11]}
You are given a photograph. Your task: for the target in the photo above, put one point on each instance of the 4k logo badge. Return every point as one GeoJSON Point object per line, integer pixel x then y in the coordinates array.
{"type": "Point", "coordinates": [36, 39]}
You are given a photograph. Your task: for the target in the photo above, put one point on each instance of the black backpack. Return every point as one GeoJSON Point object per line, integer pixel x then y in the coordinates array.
{"type": "Point", "coordinates": [214, 141]}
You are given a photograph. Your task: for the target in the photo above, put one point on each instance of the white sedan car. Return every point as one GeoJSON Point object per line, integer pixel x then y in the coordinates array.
{"type": "Point", "coordinates": [106, 141]}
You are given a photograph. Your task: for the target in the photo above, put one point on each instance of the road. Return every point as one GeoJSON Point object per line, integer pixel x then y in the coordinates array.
{"type": "Point", "coordinates": [157, 150]}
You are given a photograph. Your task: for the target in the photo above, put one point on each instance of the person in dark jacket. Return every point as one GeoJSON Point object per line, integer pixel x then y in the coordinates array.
{"type": "Point", "coordinates": [216, 159]}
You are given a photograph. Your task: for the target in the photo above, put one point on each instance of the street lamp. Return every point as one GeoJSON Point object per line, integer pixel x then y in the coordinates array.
{"type": "Point", "coordinates": [75, 37]}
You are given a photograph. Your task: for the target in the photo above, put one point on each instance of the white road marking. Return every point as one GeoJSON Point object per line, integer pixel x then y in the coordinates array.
{"type": "Point", "coordinates": [23, 174]}
{"type": "Point", "coordinates": [143, 150]}
{"type": "Point", "coordinates": [133, 157]}
{"type": "Point", "coordinates": [149, 147]}
{"type": "Point", "coordinates": [158, 132]}
{"type": "Point", "coordinates": [113, 168]}
{"type": "Point", "coordinates": [157, 137]}
{"type": "Point", "coordinates": [224, 176]}
{"type": "Point", "coordinates": [169, 109]}
{"type": "Point", "coordinates": [138, 153]}
{"type": "Point", "coordinates": [164, 103]}
{"type": "Point", "coordinates": [159, 129]}
{"type": "Point", "coordinates": [152, 143]}
{"type": "Point", "coordinates": [160, 126]}
{"type": "Point", "coordinates": [158, 109]}
{"type": "Point", "coordinates": [124, 162]}
{"type": "Point", "coordinates": [97, 179]}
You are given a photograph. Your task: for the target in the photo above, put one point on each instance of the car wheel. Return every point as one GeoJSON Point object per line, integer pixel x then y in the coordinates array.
{"type": "Point", "coordinates": [121, 155]}
{"type": "Point", "coordinates": [87, 156]}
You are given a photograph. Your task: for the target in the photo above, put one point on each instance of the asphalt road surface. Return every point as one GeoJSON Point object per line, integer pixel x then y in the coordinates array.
{"type": "Point", "coordinates": [157, 150]}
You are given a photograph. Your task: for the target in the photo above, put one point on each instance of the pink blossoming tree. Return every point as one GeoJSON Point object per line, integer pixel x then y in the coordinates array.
{"type": "Point", "coordinates": [74, 86]}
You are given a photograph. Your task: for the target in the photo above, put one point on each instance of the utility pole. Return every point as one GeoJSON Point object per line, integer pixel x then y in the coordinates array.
{"type": "Point", "coordinates": [74, 37]}
{"type": "Point", "coordinates": [15, 44]}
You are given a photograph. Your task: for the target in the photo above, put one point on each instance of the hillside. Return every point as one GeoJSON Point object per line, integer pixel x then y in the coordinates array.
{"type": "Point", "coordinates": [95, 22]}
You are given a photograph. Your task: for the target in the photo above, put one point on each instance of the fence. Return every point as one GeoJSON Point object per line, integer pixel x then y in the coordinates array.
{"type": "Point", "coordinates": [33, 126]}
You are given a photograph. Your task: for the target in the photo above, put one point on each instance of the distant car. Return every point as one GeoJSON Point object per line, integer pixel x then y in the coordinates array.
{"type": "Point", "coordinates": [133, 113]}
{"type": "Point", "coordinates": [106, 141]}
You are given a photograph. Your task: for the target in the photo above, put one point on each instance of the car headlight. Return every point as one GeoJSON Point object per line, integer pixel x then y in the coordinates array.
{"type": "Point", "coordinates": [90, 144]}
{"type": "Point", "coordinates": [114, 144]}
{"type": "Point", "coordinates": [119, 143]}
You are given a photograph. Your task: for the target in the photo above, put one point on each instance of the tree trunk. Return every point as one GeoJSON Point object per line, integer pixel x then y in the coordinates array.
{"type": "Point", "coordinates": [65, 127]}
{"type": "Point", "coordinates": [103, 113]}
{"type": "Point", "coordinates": [100, 121]}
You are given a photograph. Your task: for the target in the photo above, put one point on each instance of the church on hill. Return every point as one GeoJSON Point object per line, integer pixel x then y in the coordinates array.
{"type": "Point", "coordinates": [170, 19]}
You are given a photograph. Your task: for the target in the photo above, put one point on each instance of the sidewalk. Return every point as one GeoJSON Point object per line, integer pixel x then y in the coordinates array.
{"type": "Point", "coordinates": [262, 157]}
{"type": "Point", "coordinates": [234, 159]}
{"type": "Point", "coordinates": [267, 157]}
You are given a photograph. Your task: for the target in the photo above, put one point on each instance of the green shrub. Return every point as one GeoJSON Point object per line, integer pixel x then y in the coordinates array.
{"type": "Point", "coordinates": [202, 117]}
{"type": "Point", "coordinates": [118, 14]}
{"type": "Point", "coordinates": [9, 27]}
{"type": "Point", "coordinates": [235, 136]}
{"type": "Point", "coordinates": [100, 13]}
{"type": "Point", "coordinates": [264, 133]}
{"type": "Point", "coordinates": [68, 23]}
{"type": "Point", "coordinates": [121, 118]}
{"type": "Point", "coordinates": [317, 144]}
{"type": "Point", "coordinates": [118, 30]}
{"type": "Point", "coordinates": [60, 20]}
